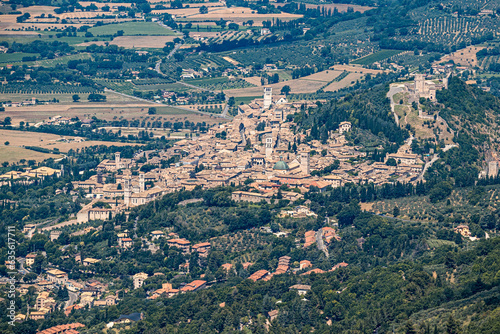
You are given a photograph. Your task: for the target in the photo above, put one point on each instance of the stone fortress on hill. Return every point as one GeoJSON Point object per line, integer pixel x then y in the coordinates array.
{"type": "Point", "coordinates": [260, 145]}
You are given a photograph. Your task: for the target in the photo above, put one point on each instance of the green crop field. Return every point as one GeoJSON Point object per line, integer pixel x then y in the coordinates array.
{"type": "Point", "coordinates": [62, 60]}
{"type": "Point", "coordinates": [245, 99]}
{"type": "Point", "coordinates": [377, 56]}
{"type": "Point", "coordinates": [15, 57]}
{"type": "Point", "coordinates": [132, 29]}
{"type": "Point", "coordinates": [207, 81]}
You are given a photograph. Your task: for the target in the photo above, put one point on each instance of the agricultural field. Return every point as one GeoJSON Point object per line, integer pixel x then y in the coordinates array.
{"type": "Point", "coordinates": [326, 80]}
{"type": "Point", "coordinates": [132, 29]}
{"type": "Point", "coordinates": [437, 27]}
{"type": "Point", "coordinates": [253, 80]}
{"type": "Point", "coordinates": [220, 83]}
{"type": "Point", "coordinates": [376, 57]}
{"type": "Point", "coordinates": [234, 14]}
{"type": "Point", "coordinates": [340, 7]}
{"type": "Point", "coordinates": [52, 89]}
{"type": "Point", "coordinates": [297, 86]}
{"type": "Point", "coordinates": [465, 57]}
{"type": "Point", "coordinates": [14, 154]}
{"type": "Point", "coordinates": [146, 85]}
{"type": "Point", "coordinates": [15, 57]}
{"type": "Point", "coordinates": [348, 80]}
{"type": "Point", "coordinates": [62, 60]}
{"type": "Point", "coordinates": [102, 4]}
{"type": "Point", "coordinates": [157, 132]}
{"type": "Point", "coordinates": [115, 105]}
{"type": "Point", "coordinates": [131, 42]}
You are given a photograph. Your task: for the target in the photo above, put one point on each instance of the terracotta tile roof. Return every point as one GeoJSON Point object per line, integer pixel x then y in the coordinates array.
{"type": "Point", "coordinates": [258, 275]}
{"type": "Point", "coordinates": [317, 271]}
{"type": "Point", "coordinates": [247, 264]}
{"type": "Point", "coordinates": [67, 328]}
{"type": "Point", "coordinates": [339, 265]}
{"type": "Point", "coordinates": [194, 285]}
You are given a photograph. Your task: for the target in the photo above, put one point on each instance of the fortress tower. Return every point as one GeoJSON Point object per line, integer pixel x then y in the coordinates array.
{"type": "Point", "coordinates": [268, 97]}
{"type": "Point", "coordinates": [117, 160]}
{"type": "Point", "coordinates": [126, 192]}
{"type": "Point", "coordinates": [142, 186]}
{"type": "Point", "coordinates": [269, 146]}
{"type": "Point", "coordinates": [419, 84]}
{"type": "Point", "coordinates": [305, 163]}
{"type": "Point", "coordinates": [99, 177]}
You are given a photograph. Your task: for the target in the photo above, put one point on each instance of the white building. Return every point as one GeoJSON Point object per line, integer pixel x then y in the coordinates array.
{"type": "Point", "coordinates": [345, 127]}
{"type": "Point", "coordinates": [139, 279]}
{"type": "Point", "coordinates": [268, 97]}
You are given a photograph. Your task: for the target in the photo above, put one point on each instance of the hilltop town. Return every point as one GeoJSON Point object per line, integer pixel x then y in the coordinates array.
{"type": "Point", "coordinates": [262, 145]}
{"type": "Point", "coordinates": [294, 166]}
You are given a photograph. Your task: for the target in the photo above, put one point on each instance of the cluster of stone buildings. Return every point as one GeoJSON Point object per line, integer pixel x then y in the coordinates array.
{"type": "Point", "coordinates": [259, 144]}
{"type": "Point", "coordinates": [91, 293]}
{"type": "Point", "coordinates": [31, 173]}
{"type": "Point", "coordinates": [424, 88]}
{"type": "Point", "coordinates": [327, 234]}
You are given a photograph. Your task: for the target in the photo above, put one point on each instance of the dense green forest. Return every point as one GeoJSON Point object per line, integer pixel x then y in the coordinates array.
{"type": "Point", "coordinates": [368, 109]}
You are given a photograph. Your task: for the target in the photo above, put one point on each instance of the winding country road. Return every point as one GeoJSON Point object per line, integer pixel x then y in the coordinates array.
{"type": "Point", "coordinates": [433, 160]}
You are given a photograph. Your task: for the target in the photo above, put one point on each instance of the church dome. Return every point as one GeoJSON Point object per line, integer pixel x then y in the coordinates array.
{"type": "Point", "coordinates": [281, 165]}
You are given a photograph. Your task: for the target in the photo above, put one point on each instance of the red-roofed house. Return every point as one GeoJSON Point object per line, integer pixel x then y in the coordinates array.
{"type": "Point", "coordinates": [68, 329]}
{"type": "Point", "coordinates": [182, 244]}
{"type": "Point", "coordinates": [305, 264]}
{"type": "Point", "coordinates": [259, 275]}
{"type": "Point", "coordinates": [339, 265]}
{"type": "Point", "coordinates": [316, 271]}
{"type": "Point", "coordinates": [202, 248]}
{"type": "Point", "coordinates": [194, 286]}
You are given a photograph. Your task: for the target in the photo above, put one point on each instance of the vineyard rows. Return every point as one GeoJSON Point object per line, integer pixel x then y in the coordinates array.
{"type": "Point", "coordinates": [487, 61]}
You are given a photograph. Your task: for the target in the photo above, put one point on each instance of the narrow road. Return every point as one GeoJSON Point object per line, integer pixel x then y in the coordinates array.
{"type": "Point", "coordinates": [174, 50]}
{"type": "Point", "coordinates": [320, 244]}
{"type": "Point", "coordinates": [130, 96]}
{"type": "Point", "coordinates": [433, 160]}
{"type": "Point", "coordinates": [22, 269]}
{"type": "Point", "coordinates": [73, 296]}
{"type": "Point", "coordinates": [393, 90]}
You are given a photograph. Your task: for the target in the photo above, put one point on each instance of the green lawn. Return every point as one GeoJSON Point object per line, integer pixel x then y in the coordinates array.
{"type": "Point", "coordinates": [132, 29]}
{"type": "Point", "coordinates": [377, 56]}
{"type": "Point", "coordinates": [15, 57]}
